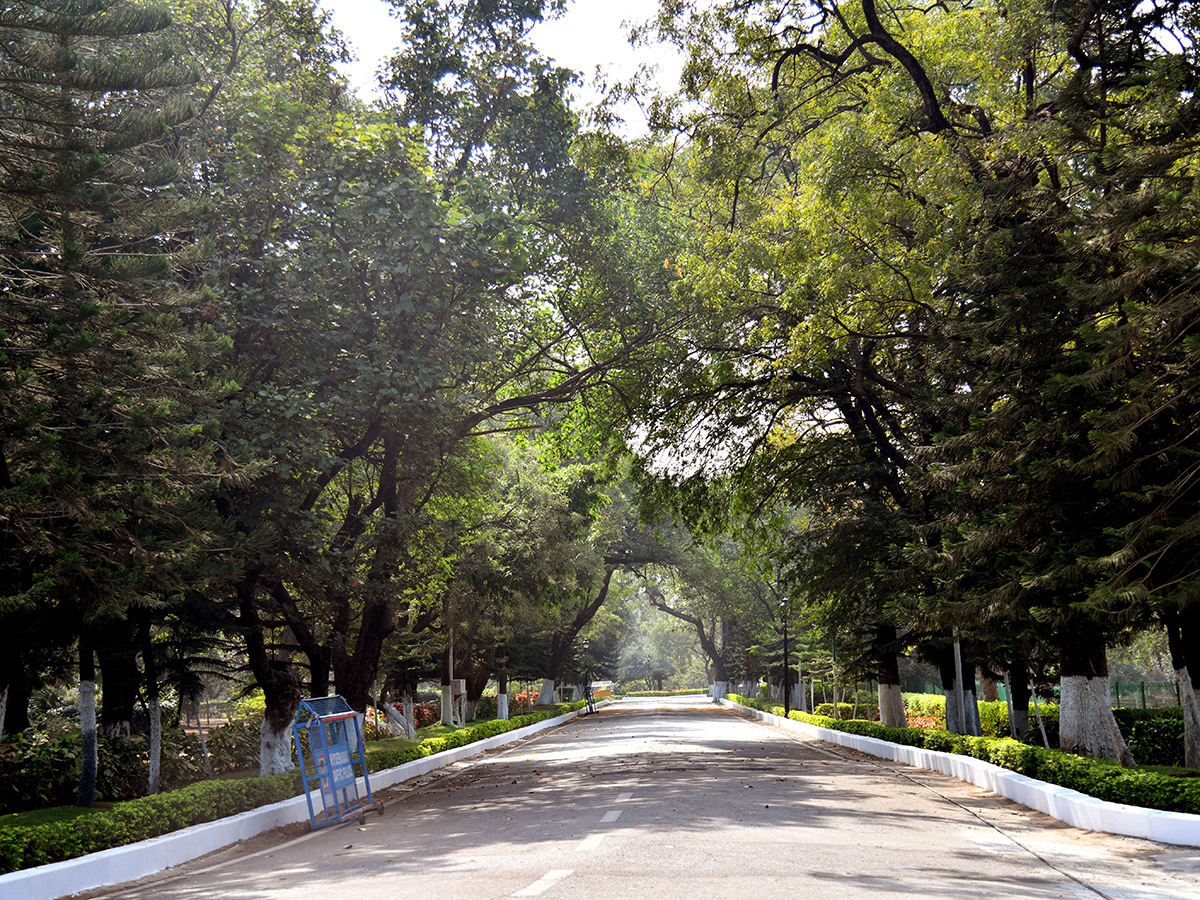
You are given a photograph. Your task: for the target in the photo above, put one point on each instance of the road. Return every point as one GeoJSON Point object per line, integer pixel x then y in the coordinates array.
{"type": "Point", "coordinates": [678, 800]}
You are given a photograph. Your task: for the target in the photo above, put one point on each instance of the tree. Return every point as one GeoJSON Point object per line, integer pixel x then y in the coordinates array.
{"type": "Point", "coordinates": [104, 387]}
{"type": "Point", "coordinates": [887, 202]}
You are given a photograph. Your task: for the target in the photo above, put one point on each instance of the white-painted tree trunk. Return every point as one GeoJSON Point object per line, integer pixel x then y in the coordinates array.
{"type": "Point", "coordinates": [472, 709]}
{"type": "Point", "coordinates": [152, 781]}
{"type": "Point", "coordinates": [447, 704]}
{"type": "Point", "coordinates": [402, 723]}
{"type": "Point", "coordinates": [1191, 718]}
{"type": "Point", "coordinates": [971, 719]}
{"type": "Point", "coordinates": [797, 698]}
{"type": "Point", "coordinates": [1085, 721]}
{"type": "Point", "coordinates": [409, 703]}
{"type": "Point", "coordinates": [502, 706]}
{"type": "Point", "coordinates": [891, 706]}
{"type": "Point", "coordinates": [3, 708]}
{"type": "Point", "coordinates": [719, 690]}
{"type": "Point", "coordinates": [546, 695]}
{"type": "Point", "coordinates": [274, 750]}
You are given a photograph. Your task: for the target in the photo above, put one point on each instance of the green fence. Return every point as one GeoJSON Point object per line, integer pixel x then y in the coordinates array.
{"type": "Point", "coordinates": [1137, 694]}
{"type": "Point", "coordinates": [1145, 694]}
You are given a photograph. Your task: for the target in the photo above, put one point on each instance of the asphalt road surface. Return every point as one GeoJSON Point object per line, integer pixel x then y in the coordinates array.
{"type": "Point", "coordinates": [679, 800]}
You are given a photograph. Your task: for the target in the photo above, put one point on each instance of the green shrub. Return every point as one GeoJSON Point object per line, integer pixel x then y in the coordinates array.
{"type": "Point", "coordinates": [1095, 777]}
{"type": "Point", "coordinates": [136, 820]}
{"type": "Point", "coordinates": [846, 710]}
{"type": "Point", "coordinates": [927, 705]}
{"type": "Point", "coordinates": [234, 746]}
{"type": "Point", "coordinates": [203, 801]}
{"type": "Point", "coordinates": [37, 771]}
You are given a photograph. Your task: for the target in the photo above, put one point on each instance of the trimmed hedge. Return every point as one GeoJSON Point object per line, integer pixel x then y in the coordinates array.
{"type": "Point", "coordinates": [1098, 778]}
{"type": "Point", "coordinates": [22, 847]}
{"type": "Point", "coordinates": [675, 693]}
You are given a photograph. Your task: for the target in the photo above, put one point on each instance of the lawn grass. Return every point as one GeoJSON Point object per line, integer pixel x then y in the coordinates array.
{"type": "Point", "coordinates": [429, 731]}
{"type": "Point", "coordinates": [48, 816]}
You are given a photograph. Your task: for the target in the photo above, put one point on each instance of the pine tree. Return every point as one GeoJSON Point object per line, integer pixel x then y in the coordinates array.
{"type": "Point", "coordinates": [101, 353]}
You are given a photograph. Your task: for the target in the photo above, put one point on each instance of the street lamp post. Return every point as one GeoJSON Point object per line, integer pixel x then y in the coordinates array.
{"type": "Point", "coordinates": [787, 670]}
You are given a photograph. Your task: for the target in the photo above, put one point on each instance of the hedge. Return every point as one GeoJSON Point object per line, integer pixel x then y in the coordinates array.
{"type": "Point", "coordinates": [1098, 778]}
{"type": "Point", "coordinates": [22, 846]}
{"type": "Point", "coordinates": [675, 693]}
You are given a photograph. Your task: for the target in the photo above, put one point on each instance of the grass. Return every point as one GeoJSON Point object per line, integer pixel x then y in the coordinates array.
{"type": "Point", "coordinates": [429, 731]}
{"type": "Point", "coordinates": [48, 816]}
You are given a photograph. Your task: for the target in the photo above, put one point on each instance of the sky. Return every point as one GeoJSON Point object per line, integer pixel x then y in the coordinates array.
{"type": "Point", "coordinates": [591, 33]}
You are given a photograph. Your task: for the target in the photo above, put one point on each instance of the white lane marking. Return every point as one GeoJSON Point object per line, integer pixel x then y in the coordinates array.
{"type": "Point", "coordinates": [591, 842]}
{"type": "Point", "coordinates": [624, 795]}
{"type": "Point", "coordinates": [611, 816]}
{"type": "Point", "coordinates": [543, 884]}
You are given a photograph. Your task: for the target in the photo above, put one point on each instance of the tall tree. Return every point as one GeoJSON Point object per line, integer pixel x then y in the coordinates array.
{"type": "Point", "coordinates": [102, 385]}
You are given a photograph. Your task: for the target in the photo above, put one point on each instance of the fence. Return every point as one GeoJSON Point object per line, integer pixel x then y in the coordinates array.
{"type": "Point", "coordinates": [1135, 694]}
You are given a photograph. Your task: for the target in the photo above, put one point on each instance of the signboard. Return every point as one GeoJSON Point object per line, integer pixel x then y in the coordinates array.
{"type": "Point", "coordinates": [335, 745]}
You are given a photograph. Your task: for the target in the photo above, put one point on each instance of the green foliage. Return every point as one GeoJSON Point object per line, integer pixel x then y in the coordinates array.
{"type": "Point", "coordinates": [37, 770]}
{"type": "Point", "coordinates": [1096, 777]}
{"type": "Point", "coordinates": [1155, 736]}
{"type": "Point", "coordinates": [135, 820]}
{"type": "Point", "coordinates": [927, 705]}
{"type": "Point", "coordinates": [846, 710]}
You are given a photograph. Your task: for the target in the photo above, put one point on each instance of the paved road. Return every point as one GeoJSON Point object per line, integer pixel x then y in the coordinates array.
{"type": "Point", "coordinates": [675, 800]}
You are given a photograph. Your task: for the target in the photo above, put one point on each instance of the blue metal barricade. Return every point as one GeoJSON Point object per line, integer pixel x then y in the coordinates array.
{"type": "Point", "coordinates": [334, 746]}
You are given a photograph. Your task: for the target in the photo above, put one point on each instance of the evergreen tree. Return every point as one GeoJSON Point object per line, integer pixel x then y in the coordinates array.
{"type": "Point", "coordinates": [101, 376]}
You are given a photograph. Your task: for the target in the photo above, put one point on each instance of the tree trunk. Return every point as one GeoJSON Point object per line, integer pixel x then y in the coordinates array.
{"type": "Point", "coordinates": [546, 694]}
{"type": "Point", "coordinates": [1186, 662]}
{"type": "Point", "coordinates": [502, 697]}
{"type": "Point", "coordinates": [1018, 681]}
{"type": "Point", "coordinates": [203, 741]}
{"type": "Point", "coordinates": [149, 664]}
{"type": "Point", "coordinates": [3, 708]}
{"type": "Point", "coordinates": [355, 673]}
{"type": "Point", "coordinates": [891, 706]}
{"type": "Point", "coordinates": [87, 725]}
{"type": "Point", "coordinates": [560, 643]}
{"type": "Point", "coordinates": [116, 650]}
{"type": "Point", "coordinates": [155, 770]}
{"type": "Point", "coordinates": [1085, 721]}
{"type": "Point", "coordinates": [946, 669]}
{"type": "Point", "coordinates": [402, 722]}
{"type": "Point", "coordinates": [16, 714]}
{"type": "Point", "coordinates": [278, 679]}
{"type": "Point", "coordinates": [989, 685]}
{"type": "Point", "coordinates": [275, 747]}
{"type": "Point", "coordinates": [887, 672]}
{"type": "Point", "coordinates": [447, 693]}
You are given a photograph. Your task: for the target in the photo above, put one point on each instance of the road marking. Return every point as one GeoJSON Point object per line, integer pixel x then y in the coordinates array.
{"type": "Point", "coordinates": [543, 884]}
{"type": "Point", "coordinates": [611, 816]}
{"type": "Point", "coordinates": [591, 842]}
{"type": "Point", "coordinates": [624, 795]}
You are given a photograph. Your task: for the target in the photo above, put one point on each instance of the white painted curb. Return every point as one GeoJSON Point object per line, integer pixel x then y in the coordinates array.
{"type": "Point", "coordinates": [147, 857]}
{"type": "Point", "coordinates": [1062, 803]}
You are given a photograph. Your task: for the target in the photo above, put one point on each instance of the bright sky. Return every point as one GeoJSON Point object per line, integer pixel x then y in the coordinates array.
{"type": "Point", "coordinates": [592, 33]}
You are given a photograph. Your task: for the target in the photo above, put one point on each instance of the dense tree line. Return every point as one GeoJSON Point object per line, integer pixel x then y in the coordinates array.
{"type": "Point", "coordinates": [950, 256]}
{"type": "Point", "coordinates": [895, 310]}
